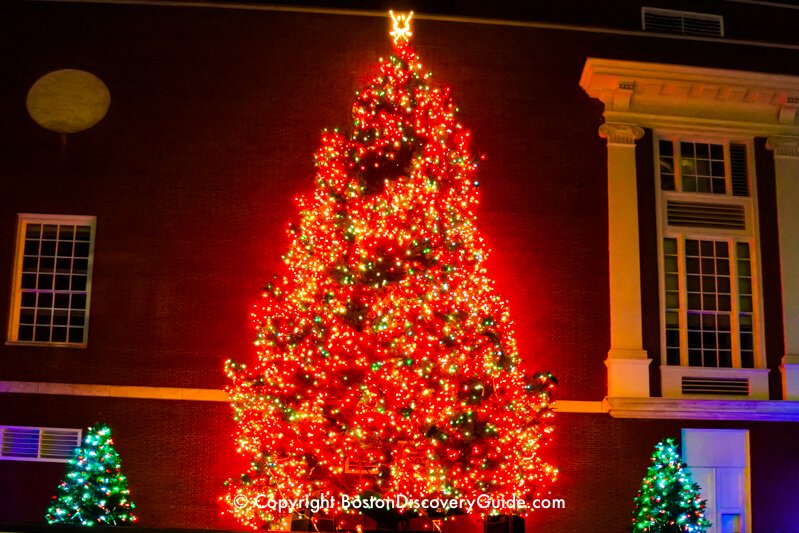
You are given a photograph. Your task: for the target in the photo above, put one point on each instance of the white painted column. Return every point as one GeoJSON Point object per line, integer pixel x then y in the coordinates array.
{"type": "Point", "coordinates": [627, 362]}
{"type": "Point", "coordinates": [786, 168]}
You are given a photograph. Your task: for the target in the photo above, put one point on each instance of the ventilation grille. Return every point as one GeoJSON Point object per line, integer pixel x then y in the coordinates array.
{"type": "Point", "coordinates": [704, 215]}
{"type": "Point", "coordinates": [682, 22]}
{"type": "Point", "coordinates": [716, 386]}
{"type": "Point", "coordinates": [38, 444]}
{"type": "Point", "coordinates": [739, 175]}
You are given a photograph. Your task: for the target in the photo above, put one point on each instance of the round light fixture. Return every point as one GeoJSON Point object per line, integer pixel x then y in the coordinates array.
{"type": "Point", "coordinates": [68, 101]}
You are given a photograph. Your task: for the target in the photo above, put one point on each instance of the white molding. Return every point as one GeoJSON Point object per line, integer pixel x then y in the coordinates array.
{"type": "Point", "coordinates": [693, 409]}
{"type": "Point", "coordinates": [114, 391]}
{"type": "Point", "coordinates": [662, 95]}
{"type": "Point", "coordinates": [577, 406]}
{"type": "Point", "coordinates": [671, 379]}
{"type": "Point", "coordinates": [783, 147]}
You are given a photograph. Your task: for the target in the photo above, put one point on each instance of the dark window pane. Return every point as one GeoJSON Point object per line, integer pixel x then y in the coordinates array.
{"type": "Point", "coordinates": [710, 358]}
{"type": "Point", "coordinates": [79, 283]}
{"type": "Point", "coordinates": [725, 341]}
{"type": "Point", "coordinates": [66, 233]}
{"type": "Point", "coordinates": [707, 248]}
{"type": "Point", "coordinates": [717, 151]}
{"type": "Point", "coordinates": [746, 303]}
{"type": "Point", "coordinates": [78, 301]}
{"type": "Point", "coordinates": [59, 334]}
{"type": "Point", "coordinates": [725, 358]}
{"type": "Point", "coordinates": [28, 281]}
{"type": "Point", "coordinates": [75, 334]}
{"type": "Point", "coordinates": [667, 182]}
{"type": "Point", "coordinates": [43, 317]}
{"type": "Point", "coordinates": [62, 283]}
{"type": "Point", "coordinates": [76, 318]}
{"type": "Point", "coordinates": [673, 356]}
{"type": "Point", "coordinates": [723, 267]}
{"type": "Point", "coordinates": [694, 320]}
{"type": "Point", "coordinates": [25, 333]}
{"type": "Point", "coordinates": [695, 301]}
{"type": "Point", "coordinates": [50, 231]}
{"type": "Point", "coordinates": [743, 268]}
{"type": "Point", "coordinates": [692, 247]}
{"type": "Point", "coordinates": [747, 359]}
{"type": "Point", "coordinates": [81, 249]}
{"type": "Point", "coordinates": [65, 249]}
{"type": "Point", "coordinates": [31, 248]}
{"type": "Point", "coordinates": [26, 316]}
{"type": "Point", "coordinates": [33, 231]}
{"type": "Point", "coordinates": [46, 264]}
{"type": "Point", "coordinates": [709, 340]}
{"type": "Point", "coordinates": [695, 357]}
{"type": "Point", "coordinates": [724, 284]}
{"type": "Point", "coordinates": [60, 318]}
{"type": "Point", "coordinates": [709, 302]}
{"type": "Point", "coordinates": [693, 284]}
{"type": "Point", "coordinates": [688, 183]}
{"type": "Point", "coordinates": [666, 148]}
{"type": "Point", "coordinates": [30, 264]}
{"type": "Point", "coordinates": [45, 282]}
{"type": "Point", "coordinates": [686, 149]}
{"type": "Point", "coordinates": [694, 339]}
{"type": "Point", "coordinates": [45, 299]}
{"type": "Point", "coordinates": [717, 168]}
{"type": "Point", "coordinates": [83, 233]}
{"type": "Point", "coordinates": [42, 334]}
{"type": "Point", "coordinates": [62, 301]}
{"type": "Point", "coordinates": [28, 299]}
{"type": "Point", "coordinates": [670, 264]}
{"type": "Point", "coordinates": [48, 248]}
{"type": "Point", "coordinates": [724, 302]}
{"type": "Point", "coordinates": [80, 266]}
{"type": "Point", "coordinates": [672, 337]}
{"type": "Point", "coordinates": [692, 265]}
{"type": "Point", "coordinates": [63, 265]}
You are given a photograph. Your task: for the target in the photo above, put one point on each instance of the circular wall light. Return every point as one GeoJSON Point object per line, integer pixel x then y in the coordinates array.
{"type": "Point", "coordinates": [68, 101]}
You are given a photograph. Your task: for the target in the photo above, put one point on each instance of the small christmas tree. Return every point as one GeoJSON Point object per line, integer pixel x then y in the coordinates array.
{"type": "Point", "coordinates": [669, 501]}
{"type": "Point", "coordinates": [94, 492]}
{"type": "Point", "coordinates": [387, 345]}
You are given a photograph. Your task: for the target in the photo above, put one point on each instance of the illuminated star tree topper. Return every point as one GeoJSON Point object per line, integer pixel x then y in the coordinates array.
{"type": "Point", "coordinates": [385, 360]}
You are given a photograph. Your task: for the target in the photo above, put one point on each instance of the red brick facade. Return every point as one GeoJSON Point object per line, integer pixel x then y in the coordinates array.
{"type": "Point", "coordinates": [215, 115]}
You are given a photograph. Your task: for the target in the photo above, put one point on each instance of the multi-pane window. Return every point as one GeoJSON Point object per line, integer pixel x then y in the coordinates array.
{"type": "Point", "coordinates": [52, 279]}
{"type": "Point", "coordinates": [708, 249]}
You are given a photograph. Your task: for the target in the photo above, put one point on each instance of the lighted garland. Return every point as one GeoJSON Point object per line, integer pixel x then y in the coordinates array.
{"type": "Point", "coordinates": [669, 501]}
{"type": "Point", "coordinates": [386, 343]}
{"type": "Point", "coordinates": [94, 491]}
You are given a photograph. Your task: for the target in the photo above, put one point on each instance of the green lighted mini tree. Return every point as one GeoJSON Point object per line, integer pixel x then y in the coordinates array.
{"type": "Point", "coordinates": [94, 492]}
{"type": "Point", "coordinates": [669, 501]}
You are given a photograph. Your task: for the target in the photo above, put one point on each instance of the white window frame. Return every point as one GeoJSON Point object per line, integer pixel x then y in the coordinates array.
{"type": "Point", "coordinates": [672, 375]}
{"type": "Point", "coordinates": [23, 219]}
{"type": "Point", "coordinates": [42, 432]}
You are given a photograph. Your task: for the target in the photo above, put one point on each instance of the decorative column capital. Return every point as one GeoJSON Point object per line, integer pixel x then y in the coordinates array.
{"type": "Point", "coordinates": [784, 147]}
{"type": "Point", "coordinates": [621, 134]}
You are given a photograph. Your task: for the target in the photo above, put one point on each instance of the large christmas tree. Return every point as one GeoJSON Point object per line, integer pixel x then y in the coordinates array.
{"type": "Point", "coordinates": [669, 501]}
{"type": "Point", "coordinates": [386, 344]}
{"type": "Point", "coordinates": [94, 492]}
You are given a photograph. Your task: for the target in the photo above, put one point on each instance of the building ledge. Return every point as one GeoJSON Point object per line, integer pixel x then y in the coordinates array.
{"type": "Point", "coordinates": [696, 409]}
{"type": "Point", "coordinates": [114, 391]}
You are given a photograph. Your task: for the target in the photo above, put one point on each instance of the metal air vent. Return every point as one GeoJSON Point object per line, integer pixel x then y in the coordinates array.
{"type": "Point", "coordinates": [715, 386]}
{"type": "Point", "coordinates": [705, 215]}
{"type": "Point", "coordinates": [682, 22]}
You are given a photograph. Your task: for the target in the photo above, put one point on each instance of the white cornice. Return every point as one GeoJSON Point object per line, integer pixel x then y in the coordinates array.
{"type": "Point", "coordinates": [674, 408]}
{"type": "Point", "coordinates": [657, 95]}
